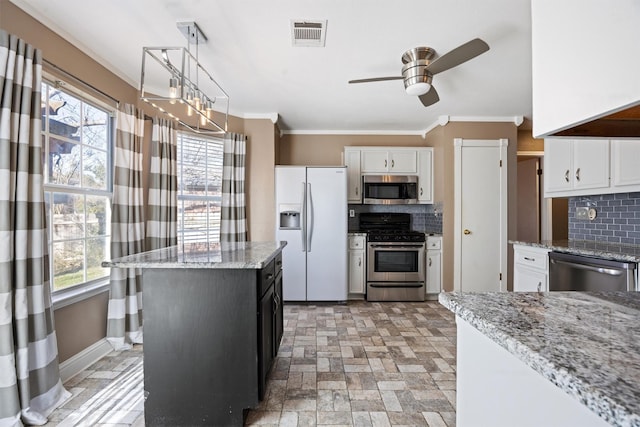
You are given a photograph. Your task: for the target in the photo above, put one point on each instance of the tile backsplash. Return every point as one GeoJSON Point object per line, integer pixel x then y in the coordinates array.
{"type": "Point", "coordinates": [617, 220]}
{"type": "Point", "coordinates": [426, 218]}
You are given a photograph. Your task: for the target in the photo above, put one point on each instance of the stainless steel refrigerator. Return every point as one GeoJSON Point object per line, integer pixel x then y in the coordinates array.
{"type": "Point", "coordinates": [311, 215]}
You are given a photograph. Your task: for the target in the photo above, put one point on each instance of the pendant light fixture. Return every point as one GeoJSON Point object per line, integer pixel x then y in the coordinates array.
{"type": "Point", "coordinates": [175, 82]}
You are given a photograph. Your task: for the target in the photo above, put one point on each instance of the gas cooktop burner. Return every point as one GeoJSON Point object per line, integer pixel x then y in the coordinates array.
{"type": "Point", "coordinates": [389, 227]}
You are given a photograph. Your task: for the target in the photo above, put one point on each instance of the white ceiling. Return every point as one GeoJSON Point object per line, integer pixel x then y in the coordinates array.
{"type": "Point", "coordinates": [250, 54]}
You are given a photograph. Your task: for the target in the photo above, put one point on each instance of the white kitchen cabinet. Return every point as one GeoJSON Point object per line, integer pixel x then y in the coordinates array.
{"type": "Point", "coordinates": [425, 175]}
{"type": "Point", "coordinates": [567, 37]}
{"type": "Point", "coordinates": [354, 182]}
{"type": "Point", "coordinates": [531, 269]}
{"type": "Point", "coordinates": [625, 170]}
{"type": "Point", "coordinates": [574, 167]}
{"type": "Point", "coordinates": [434, 265]}
{"type": "Point", "coordinates": [416, 161]}
{"type": "Point", "coordinates": [357, 264]}
{"type": "Point", "coordinates": [386, 160]}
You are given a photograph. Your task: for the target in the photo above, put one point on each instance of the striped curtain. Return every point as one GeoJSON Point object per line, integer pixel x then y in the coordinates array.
{"type": "Point", "coordinates": [233, 220]}
{"type": "Point", "coordinates": [162, 210]}
{"type": "Point", "coordinates": [124, 316]}
{"type": "Point", "coordinates": [30, 386]}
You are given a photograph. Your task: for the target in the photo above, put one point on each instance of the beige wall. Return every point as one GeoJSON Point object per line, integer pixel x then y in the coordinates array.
{"type": "Point", "coordinates": [82, 324]}
{"type": "Point", "coordinates": [326, 150]}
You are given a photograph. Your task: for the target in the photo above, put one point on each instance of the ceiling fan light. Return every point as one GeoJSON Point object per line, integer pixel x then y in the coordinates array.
{"type": "Point", "coordinates": [417, 89]}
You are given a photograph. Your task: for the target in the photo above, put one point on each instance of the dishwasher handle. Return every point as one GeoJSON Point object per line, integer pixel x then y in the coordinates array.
{"type": "Point", "coordinates": [609, 271]}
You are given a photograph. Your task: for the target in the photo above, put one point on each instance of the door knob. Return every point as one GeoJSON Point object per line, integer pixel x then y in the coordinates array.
{"type": "Point", "coordinates": [467, 231]}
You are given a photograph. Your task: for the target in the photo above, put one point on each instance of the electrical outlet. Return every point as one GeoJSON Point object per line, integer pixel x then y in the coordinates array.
{"type": "Point", "coordinates": [352, 213]}
{"type": "Point", "coordinates": [582, 213]}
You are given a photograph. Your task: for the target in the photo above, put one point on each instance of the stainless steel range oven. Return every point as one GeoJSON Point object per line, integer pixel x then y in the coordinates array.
{"type": "Point", "coordinates": [395, 258]}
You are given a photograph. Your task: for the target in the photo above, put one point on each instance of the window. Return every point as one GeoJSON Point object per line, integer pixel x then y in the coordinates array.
{"type": "Point", "coordinates": [77, 139]}
{"type": "Point", "coordinates": [199, 188]}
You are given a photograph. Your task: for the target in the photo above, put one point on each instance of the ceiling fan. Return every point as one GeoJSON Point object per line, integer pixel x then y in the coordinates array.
{"type": "Point", "coordinates": [418, 69]}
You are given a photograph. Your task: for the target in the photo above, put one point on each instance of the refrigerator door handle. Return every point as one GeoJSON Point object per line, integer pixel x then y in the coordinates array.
{"type": "Point", "coordinates": [310, 226]}
{"type": "Point", "coordinates": [304, 218]}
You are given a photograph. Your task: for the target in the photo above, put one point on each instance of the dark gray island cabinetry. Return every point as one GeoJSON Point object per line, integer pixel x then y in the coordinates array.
{"type": "Point", "coordinates": [212, 327]}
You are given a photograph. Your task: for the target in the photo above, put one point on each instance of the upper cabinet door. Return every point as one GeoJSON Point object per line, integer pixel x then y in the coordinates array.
{"type": "Point", "coordinates": [404, 161]}
{"type": "Point", "coordinates": [375, 161]}
{"type": "Point", "coordinates": [584, 61]}
{"type": "Point", "coordinates": [354, 183]}
{"type": "Point", "coordinates": [625, 170]}
{"type": "Point", "coordinates": [558, 166]}
{"type": "Point", "coordinates": [591, 163]}
{"type": "Point", "coordinates": [425, 175]}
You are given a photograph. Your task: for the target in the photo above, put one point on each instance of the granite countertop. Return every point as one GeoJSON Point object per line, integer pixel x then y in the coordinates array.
{"type": "Point", "coordinates": [615, 251]}
{"type": "Point", "coordinates": [233, 255]}
{"type": "Point", "coordinates": [586, 343]}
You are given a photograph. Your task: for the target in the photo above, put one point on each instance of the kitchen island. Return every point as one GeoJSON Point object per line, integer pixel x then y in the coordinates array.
{"type": "Point", "coordinates": [212, 327]}
{"type": "Point", "coordinates": [547, 359]}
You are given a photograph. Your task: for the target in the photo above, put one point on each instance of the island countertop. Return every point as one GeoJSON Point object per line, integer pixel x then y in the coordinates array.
{"type": "Point", "coordinates": [227, 255]}
{"type": "Point", "coordinates": [586, 343]}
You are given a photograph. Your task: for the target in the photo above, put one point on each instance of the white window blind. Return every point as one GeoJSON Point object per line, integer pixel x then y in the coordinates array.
{"type": "Point", "coordinates": [199, 188]}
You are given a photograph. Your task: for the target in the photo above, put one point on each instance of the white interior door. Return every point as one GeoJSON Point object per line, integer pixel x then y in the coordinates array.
{"type": "Point", "coordinates": [480, 229]}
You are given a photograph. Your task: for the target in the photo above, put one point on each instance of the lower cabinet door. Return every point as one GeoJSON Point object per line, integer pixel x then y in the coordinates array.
{"type": "Point", "coordinates": [278, 315]}
{"type": "Point", "coordinates": [529, 280]}
{"type": "Point", "coordinates": [266, 319]}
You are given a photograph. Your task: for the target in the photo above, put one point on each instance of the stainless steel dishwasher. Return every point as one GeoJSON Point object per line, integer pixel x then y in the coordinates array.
{"type": "Point", "coordinates": [569, 272]}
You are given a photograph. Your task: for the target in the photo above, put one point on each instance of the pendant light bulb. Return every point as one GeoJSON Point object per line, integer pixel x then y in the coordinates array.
{"type": "Point", "coordinates": [196, 100]}
{"type": "Point", "coordinates": [173, 90]}
{"type": "Point", "coordinates": [203, 119]}
{"type": "Point", "coordinates": [189, 103]}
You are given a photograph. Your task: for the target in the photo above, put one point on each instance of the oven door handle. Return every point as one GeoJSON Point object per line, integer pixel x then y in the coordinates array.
{"type": "Point", "coordinates": [397, 246]}
{"type": "Point", "coordinates": [407, 285]}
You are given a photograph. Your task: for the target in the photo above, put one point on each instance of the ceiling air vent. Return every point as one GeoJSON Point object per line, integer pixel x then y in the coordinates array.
{"type": "Point", "coordinates": [308, 33]}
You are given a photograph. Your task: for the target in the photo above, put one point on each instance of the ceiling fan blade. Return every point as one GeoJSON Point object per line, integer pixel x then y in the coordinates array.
{"type": "Point", "coordinates": [376, 79]}
{"type": "Point", "coordinates": [430, 97]}
{"type": "Point", "coordinates": [457, 56]}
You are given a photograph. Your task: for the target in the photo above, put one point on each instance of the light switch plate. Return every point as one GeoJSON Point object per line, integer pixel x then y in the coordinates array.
{"type": "Point", "coordinates": [582, 213]}
{"type": "Point", "coordinates": [352, 213]}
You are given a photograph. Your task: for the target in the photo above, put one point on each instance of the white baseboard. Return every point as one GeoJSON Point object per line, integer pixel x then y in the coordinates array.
{"type": "Point", "coordinates": [80, 361]}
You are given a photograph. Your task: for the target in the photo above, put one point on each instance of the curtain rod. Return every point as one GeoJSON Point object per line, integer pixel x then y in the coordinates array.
{"type": "Point", "coordinates": [89, 85]}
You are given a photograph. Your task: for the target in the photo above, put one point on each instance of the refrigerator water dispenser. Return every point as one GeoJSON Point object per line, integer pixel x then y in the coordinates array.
{"type": "Point", "coordinates": [289, 217]}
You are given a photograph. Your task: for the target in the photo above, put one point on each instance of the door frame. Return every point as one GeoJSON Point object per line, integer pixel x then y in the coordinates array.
{"type": "Point", "coordinates": [459, 144]}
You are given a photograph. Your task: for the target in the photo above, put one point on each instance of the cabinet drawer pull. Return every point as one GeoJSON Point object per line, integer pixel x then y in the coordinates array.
{"type": "Point", "coordinates": [421, 191]}
{"type": "Point", "coordinates": [429, 261]}
{"type": "Point", "coordinates": [566, 175]}
{"type": "Point", "coordinates": [529, 259]}
{"type": "Point", "coordinates": [539, 286]}
{"type": "Point", "coordinates": [356, 191]}
{"type": "Point", "coordinates": [392, 163]}
{"type": "Point", "coordinates": [359, 262]}
{"type": "Point", "coordinates": [578, 174]}
{"type": "Point", "coordinates": [385, 163]}
{"type": "Point", "coordinates": [269, 276]}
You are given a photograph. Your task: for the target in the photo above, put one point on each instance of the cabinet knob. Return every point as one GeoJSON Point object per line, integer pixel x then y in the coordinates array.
{"type": "Point", "coordinates": [578, 174]}
{"type": "Point", "coordinates": [566, 175]}
{"type": "Point", "coordinates": [467, 231]}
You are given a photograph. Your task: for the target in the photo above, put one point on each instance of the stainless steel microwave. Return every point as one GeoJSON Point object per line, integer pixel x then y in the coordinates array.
{"type": "Point", "coordinates": [389, 189]}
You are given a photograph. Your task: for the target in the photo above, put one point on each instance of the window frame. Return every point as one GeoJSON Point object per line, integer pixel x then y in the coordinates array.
{"type": "Point", "coordinates": [78, 292]}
